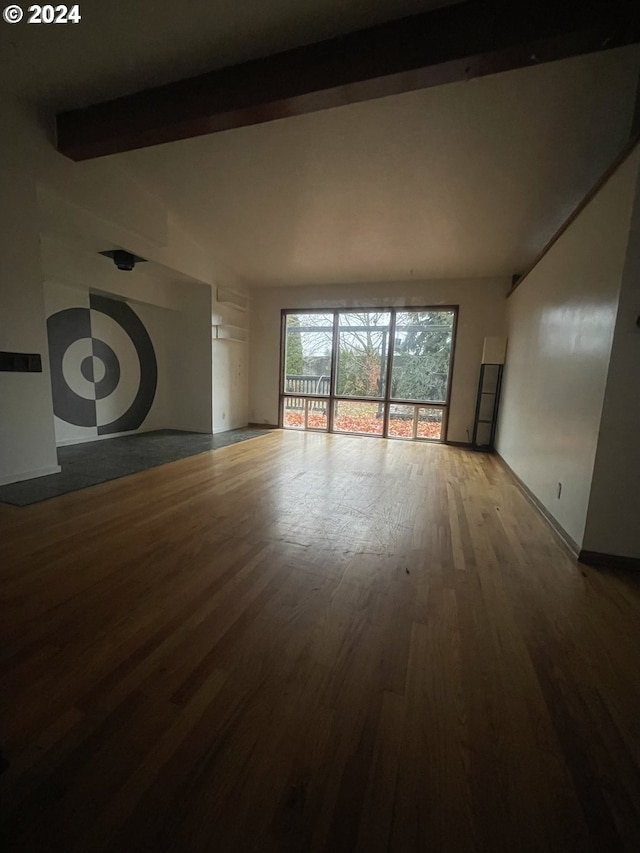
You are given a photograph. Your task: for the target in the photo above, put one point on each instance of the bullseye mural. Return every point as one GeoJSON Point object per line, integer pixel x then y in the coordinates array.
{"type": "Point", "coordinates": [103, 366]}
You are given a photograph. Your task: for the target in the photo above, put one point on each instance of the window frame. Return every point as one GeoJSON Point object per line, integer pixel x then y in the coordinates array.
{"type": "Point", "coordinates": [386, 400]}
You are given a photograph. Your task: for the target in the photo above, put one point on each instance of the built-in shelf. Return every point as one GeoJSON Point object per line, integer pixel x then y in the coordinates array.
{"type": "Point", "coordinates": [226, 296]}
{"type": "Point", "coordinates": [229, 332]}
{"type": "Point", "coordinates": [233, 306]}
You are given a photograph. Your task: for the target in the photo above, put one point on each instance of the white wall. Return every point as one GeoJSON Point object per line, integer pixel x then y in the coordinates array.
{"type": "Point", "coordinates": [560, 324]}
{"type": "Point", "coordinates": [481, 314]}
{"type": "Point", "coordinates": [230, 385]}
{"type": "Point", "coordinates": [191, 394]}
{"type": "Point", "coordinates": [27, 443]}
{"type": "Point", "coordinates": [98, 205]}
{"type": "Point", "coordinates": [612, 520]}
{"type": "Point", "coordinates": [230, 343]}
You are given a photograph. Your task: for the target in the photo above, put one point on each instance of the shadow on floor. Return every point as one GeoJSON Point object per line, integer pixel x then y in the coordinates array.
{"type": "Point", "coordinates": [96, 462]}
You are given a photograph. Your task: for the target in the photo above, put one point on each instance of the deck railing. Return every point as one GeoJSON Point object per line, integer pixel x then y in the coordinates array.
{"type": "Point", "coordinates": [304, 384]}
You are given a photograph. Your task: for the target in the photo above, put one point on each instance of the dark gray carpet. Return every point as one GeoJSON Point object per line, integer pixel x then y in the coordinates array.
{"type": "Point", "coordinates": [98, 461]}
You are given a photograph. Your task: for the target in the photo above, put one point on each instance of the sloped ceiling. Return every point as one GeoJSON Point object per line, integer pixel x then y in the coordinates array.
{"type": "Point", "coordinates": [467, 179]}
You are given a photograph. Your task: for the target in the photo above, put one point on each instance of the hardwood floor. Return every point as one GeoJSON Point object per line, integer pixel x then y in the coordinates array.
{"type": "Point", "coordinates": [313, 643]}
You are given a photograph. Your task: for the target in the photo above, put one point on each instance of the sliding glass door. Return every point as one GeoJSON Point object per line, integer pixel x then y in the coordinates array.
{"type": "Point", "coordinates": [381, 372]}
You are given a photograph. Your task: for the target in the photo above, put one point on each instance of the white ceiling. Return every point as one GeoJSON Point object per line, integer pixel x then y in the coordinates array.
{"type": "Point", "coordinates": [464, 180]}
{"type": "Point", "coordinates": [468, 179]}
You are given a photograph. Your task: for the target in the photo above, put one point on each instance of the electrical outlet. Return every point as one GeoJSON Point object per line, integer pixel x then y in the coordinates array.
{"type": "Point", "coordinates": [559, 490]}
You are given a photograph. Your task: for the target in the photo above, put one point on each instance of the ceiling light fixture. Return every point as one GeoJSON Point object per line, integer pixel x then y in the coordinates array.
{"type": "Point", "coordinates": [122, 259]}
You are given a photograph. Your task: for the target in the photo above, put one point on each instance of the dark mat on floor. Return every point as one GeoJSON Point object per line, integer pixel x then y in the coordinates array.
{"type": "Point", "coordinates": [98, 461]}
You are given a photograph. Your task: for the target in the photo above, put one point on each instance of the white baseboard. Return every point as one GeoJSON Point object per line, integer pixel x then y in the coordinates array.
{"type": "Point", "coordinates": [68, 441]}
{"type": "Point", "coordinates": [29, 475]}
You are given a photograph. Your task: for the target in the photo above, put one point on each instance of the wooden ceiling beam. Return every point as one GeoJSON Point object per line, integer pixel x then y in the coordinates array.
{"type": "Point", "coordinates": [449, 44]}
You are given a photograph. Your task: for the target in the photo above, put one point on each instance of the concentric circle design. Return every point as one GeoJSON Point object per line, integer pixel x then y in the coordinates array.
{"type": "Point", "coordinates": [65, 329]}
{"type": "Point", "coordinates": [110, 376]}
{"type": "Point", "coordinates": [86, 368]}
{"type": "Point", "coordinates": [103, 366]}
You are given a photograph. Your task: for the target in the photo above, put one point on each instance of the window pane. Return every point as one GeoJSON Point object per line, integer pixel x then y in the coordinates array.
{"type": "Point", "coordinates": [362, 353]}
{"type": "Point", "coordinates": [317, 414]}
{"type": "Point", "coordinates": [422, 355]}
{"type": "Point", "coordinates": [401, 421]}
{"type": "Point", "coordinates": [429, 423]}
{"type": "Point", "coordinates": [367, 418]}
{"type": "Point", "coordinates": [308, 353]}
{"type": "Point", "coordinates": [293, 414]}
